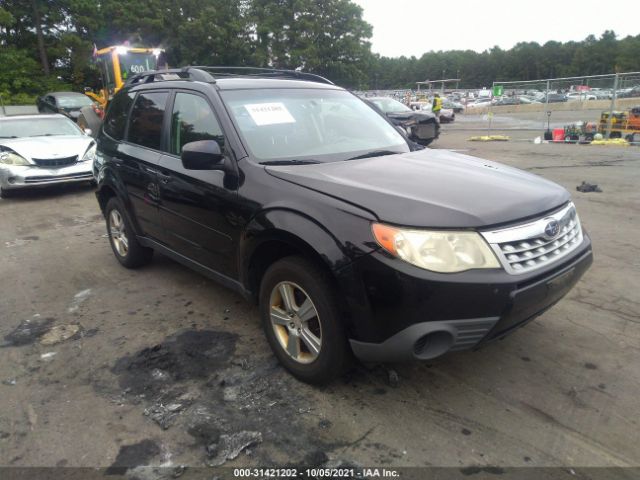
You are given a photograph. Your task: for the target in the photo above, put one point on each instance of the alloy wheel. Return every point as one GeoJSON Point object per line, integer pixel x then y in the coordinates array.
{"type": "Point", "coordinates": [118, 233]}
{"type": "Point", "coordinates": [295, 322]}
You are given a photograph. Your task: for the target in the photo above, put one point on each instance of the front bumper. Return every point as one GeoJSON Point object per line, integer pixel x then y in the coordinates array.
{"type": "Point", "coordinates": [425, 131]}
{"type": "Point", "coordinates": [400, 312]}
{"type": "Point", "coordinates": [16, 177]}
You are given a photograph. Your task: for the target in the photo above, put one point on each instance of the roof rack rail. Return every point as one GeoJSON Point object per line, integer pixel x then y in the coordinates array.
{"type": "Point", "coordinates": [184, 73]}
{"type": "Point", "coordinates": [222, 71]}
{"type": "Point", "coordinates": [209, 74]}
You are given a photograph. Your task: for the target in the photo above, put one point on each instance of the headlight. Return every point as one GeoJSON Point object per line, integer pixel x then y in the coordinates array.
{"type": "Point", "coordinates": [90, 156]}
{"type": "Point", "coordinates": [10, 158]}
{"type": "Point", "coordinates": [438, 251]}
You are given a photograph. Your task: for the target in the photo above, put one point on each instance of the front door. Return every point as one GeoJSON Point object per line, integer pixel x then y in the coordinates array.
{"type": "Point", "coordinates": [197, 206]}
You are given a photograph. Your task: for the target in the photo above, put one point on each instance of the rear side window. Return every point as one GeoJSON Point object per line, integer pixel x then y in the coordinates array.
{"type": "Point", "coordinates": [192, 120]}
{"type": "Point", "coordinates": [145, 128]}
{"type": "Point", "coordinates": [116, 120]}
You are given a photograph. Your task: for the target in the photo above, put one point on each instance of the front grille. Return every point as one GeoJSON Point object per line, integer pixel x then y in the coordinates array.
{"type": "Point", "coordinates": [527, 247]}
{"type": "Point", "coordinates": [56, 162]}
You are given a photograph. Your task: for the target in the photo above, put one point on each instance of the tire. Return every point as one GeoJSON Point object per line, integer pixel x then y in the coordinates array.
{"type": "Point", "coordinates": [88, 119]}
{"type": "Point", "coordinates": [316, 340]}
{"type": "Point", "coordinates": [124, 243]}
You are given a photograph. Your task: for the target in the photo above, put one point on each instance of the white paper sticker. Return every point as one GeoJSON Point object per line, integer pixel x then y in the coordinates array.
{"type": "Point", "coordinates": [269, 113]}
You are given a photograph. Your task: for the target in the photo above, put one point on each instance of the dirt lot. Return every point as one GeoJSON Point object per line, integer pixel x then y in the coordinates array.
{"type": "Point", "coordinates": [164, 367]}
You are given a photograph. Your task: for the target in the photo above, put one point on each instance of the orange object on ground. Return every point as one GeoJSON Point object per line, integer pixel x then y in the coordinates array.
{"type": "Point", "coordinates": [558, 134]}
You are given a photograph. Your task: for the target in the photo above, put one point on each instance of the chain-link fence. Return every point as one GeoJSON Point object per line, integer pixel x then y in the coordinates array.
{"type": "Point", "coordinates": [570, 109]}
{"type": "Point", "coordinates": [594, 107]}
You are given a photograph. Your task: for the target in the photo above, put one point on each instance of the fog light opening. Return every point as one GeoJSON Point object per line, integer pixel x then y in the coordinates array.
{"type": "Point", "coordinates": [433, 344]}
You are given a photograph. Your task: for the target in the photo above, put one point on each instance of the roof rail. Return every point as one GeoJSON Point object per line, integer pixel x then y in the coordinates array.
{"type": "Point", "coordinates": [184, 73]}
{"type": "Point", "coordinates": [209, 74]}
{"type": "Point", "coordinates": [222, 71]}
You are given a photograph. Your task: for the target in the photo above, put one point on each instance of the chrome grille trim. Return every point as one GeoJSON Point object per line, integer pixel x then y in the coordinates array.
{"type": "Point", "coordinates": [525, 248]}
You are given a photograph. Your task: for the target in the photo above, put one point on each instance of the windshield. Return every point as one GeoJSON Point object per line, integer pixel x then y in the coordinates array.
{"type": "Point", "coordinates": [132, 63]}
{"type": "Point", "coordinates": [74, 101]}
{"type": "Point", "coordinates": [309, 124]}
{"type": "Point", "coordinates": [388, 105]}
{"type": "Point", "coordinates": [37, 127]}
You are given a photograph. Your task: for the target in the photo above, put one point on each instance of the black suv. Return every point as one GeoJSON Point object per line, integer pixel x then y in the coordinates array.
{"type": "Point", "coordinates": [299, 195]}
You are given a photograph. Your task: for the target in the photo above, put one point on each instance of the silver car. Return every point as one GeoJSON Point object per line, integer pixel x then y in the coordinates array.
{"type": "Point", "coordinates": [38, 150]}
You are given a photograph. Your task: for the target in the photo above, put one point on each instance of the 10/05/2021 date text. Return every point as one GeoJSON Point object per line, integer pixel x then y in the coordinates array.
{"type": "Point", "coordinates": [364, 473]}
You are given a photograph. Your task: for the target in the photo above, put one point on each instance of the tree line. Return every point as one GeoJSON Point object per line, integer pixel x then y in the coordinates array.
{"type": "Point", "coordinates": [48, 44]}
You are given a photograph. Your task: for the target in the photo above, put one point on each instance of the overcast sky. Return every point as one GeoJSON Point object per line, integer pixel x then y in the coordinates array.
{"type": "Point", "coordinates": [413, 27]}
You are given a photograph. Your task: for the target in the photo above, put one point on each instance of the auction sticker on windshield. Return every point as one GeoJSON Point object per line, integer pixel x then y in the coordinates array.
{"type": "Point", "coordinates": [269, 113]}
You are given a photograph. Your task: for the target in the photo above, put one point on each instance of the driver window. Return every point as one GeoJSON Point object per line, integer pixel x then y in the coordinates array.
{"type": "Point", "coordinates": [192, 120]}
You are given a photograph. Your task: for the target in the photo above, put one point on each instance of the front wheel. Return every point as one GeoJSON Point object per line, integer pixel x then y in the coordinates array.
{"type": "Point", "coordinates": [301, 318]}
{"type": "Point", "coordinates": [128, 251]}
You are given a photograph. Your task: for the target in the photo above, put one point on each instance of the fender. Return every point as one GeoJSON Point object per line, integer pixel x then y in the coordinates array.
{"type": "Point", "coordinates": [303, 232]}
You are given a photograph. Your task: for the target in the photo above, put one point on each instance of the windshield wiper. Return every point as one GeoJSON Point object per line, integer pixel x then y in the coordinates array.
{"type": "Point", "coordinates": [47, 135]}
{"type": "Point", "coordinates": [10, 136]}
{"type": "Point", "coordinates": [289, 162]}
{"type": "Point", "coordinates": [374, 153]}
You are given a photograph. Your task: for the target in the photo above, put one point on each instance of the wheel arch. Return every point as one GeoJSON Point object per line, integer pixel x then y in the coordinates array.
{"type": "Point", "coordinates": [110, 186]}
{"type": "Point", "coordinates": [276, 244]}
{"type": "Point", "coordinates": [277, 233]}
{"type": "Point", "coordinates": [103, 194]}
{"type": "Point", "coordinates": [270, 246]}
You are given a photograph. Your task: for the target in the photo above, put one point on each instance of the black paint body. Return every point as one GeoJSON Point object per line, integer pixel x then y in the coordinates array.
{"type": "Point", "coordinates": [229, 224]}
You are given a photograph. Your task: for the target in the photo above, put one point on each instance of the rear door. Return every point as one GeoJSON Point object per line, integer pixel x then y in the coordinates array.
{"type": "Point", "coordinates": [197, 207]}
{"type": "Point", "coordinates": [136, 159]}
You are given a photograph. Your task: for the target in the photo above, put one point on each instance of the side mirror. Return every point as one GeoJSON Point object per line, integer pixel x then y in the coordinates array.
{"type": "Point", "coordinates": [202, 155]}
{"type": "Point", "coordinates": [87, 131]}
{"type": "Point", "coordinates": [88, 90]}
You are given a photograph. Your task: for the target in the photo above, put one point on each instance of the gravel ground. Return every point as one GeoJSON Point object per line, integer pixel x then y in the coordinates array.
{"type": "Point", "coordinates": [106, 367]}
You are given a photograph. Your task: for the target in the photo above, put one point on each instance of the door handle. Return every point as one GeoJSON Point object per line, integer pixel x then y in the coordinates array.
{"type": "Point", "coordinates": [163, 177]}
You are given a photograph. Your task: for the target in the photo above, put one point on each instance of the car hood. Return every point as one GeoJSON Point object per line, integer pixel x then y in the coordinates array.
{"type": "Point", "coordinates": [431, 188]}
{"type": "Point", "coordinates": [48, 147]}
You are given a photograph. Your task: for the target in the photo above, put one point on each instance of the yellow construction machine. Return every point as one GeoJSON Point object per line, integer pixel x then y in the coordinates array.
{"type": "Point", "coordinates": [116, 64]}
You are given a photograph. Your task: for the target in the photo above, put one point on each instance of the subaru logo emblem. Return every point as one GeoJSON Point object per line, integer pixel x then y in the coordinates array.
{"type": "Point", "coordinates": [552, 228]}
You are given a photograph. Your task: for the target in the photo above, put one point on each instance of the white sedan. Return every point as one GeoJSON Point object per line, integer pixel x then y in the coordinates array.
{"type": "Point", "coordinates": [39, 150]}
